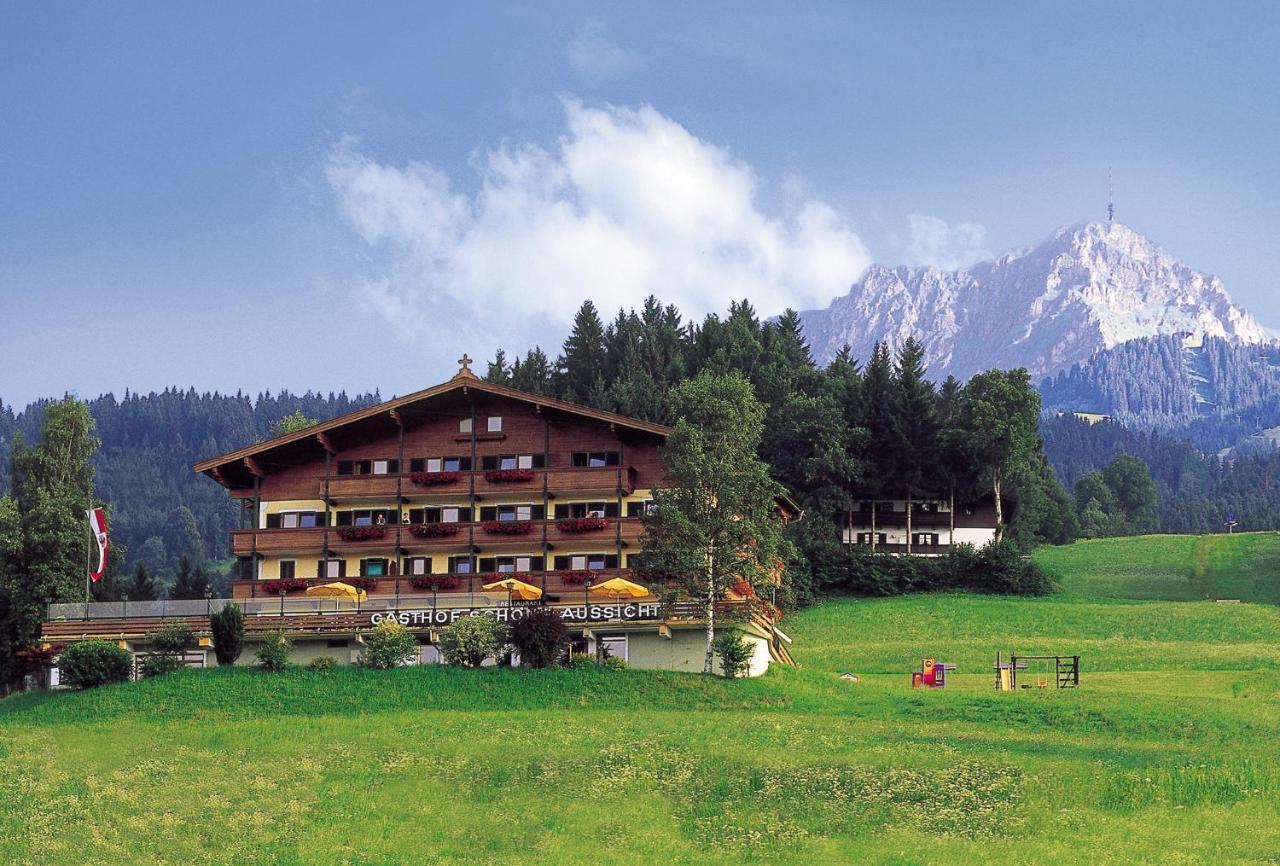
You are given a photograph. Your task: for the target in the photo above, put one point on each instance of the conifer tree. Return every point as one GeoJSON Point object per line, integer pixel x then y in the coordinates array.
{"type": "Point", "coordinates": [581, 367]}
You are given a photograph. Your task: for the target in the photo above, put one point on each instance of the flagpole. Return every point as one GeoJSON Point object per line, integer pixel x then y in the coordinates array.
{"type": "Point", "coordinates": [88, 559]}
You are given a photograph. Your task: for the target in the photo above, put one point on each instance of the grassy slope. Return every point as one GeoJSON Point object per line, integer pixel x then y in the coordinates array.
{"type": "Point", "coordinates": [1166, 755]}
{"type": "Point", "coordinates": [1243, 566]}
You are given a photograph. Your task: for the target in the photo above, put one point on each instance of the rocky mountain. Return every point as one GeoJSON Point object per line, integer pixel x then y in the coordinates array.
{"type": "Point", "coordinates": [1086, 288]}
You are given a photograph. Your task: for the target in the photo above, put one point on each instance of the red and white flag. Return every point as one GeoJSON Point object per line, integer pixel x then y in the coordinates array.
{"type": "Point", "coordinates": [98, 525]}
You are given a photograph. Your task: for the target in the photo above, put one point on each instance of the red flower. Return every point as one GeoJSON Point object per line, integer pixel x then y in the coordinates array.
{"type": "Point", "coordinates": [507, 527]}
{"type": "Point", "coordinates": [361, 533]}
{"type": "Point", "coordinates": [292, 584]}
{"type": "Point", "coordinates": [577, 577]}
{"type": "Point", "coordinates": [435, 582]}
{"type": "Point", "coordinates": [434, 479]}
{"type": "Point", "coordinates": [434, 530]}
{"type": "Point", "coordinates": [508, 476]}
{"type": "Point", "coordinates": [583, 524]}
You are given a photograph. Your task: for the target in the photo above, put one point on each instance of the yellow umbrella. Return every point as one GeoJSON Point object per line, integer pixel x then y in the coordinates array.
{"type": "Point", "coordinates": [513, 587]}
{"type": "Point", "coordinates": [618, 587]}
{"type": "Point", "coordinates": [338, 590]}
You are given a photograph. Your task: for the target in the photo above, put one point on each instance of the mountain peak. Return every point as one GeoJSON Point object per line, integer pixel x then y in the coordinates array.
{"type": "Point", "coordinates": [1086, 287]}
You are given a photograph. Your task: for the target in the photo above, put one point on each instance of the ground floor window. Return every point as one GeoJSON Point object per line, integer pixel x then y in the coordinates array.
{"type": "Point", "coordinates": [288, 569]}
{"type": "Point", "coordinates": [612, 646]}
{"type": "Point", "coordinates": [865, 538]}
{"type": "Point", "coordinates": [332, 568]}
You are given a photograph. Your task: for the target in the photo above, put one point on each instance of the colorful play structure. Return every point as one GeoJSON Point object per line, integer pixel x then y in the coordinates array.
{"type": "Point", "coordinates": [932, 674]}
{"type": "Point", "coordinates": [1062, 672]}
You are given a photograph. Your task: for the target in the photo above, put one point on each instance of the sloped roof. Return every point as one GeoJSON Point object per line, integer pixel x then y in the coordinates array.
{"type": "Point", "coordinates": [464, 379]}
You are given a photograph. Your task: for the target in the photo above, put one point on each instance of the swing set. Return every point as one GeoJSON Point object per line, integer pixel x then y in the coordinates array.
{"type": "Point", "coordinates": [1061, 672]}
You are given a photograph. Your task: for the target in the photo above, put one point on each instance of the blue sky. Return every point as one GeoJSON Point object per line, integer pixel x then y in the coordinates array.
{"type": "Point", "coordinates": [347, 196]}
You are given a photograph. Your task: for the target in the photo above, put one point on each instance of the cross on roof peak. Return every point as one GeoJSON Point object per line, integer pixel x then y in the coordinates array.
{"type": "Point", "coordinates": [465, 365]}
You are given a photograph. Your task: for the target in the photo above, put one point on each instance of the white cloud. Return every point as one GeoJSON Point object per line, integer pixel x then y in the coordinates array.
{"type": "Point", "coordinates": [628, 203]}
{"type": "Point", "coordinates": [591, 54]}
{"type": "Point", "coordinates": [931, 241]}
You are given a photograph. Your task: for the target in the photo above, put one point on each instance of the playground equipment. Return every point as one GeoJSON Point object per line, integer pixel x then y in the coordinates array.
{"type": "Point", "coordinates": [932, 674]}
{"type": "Point", "coordinates": [1062, 672]}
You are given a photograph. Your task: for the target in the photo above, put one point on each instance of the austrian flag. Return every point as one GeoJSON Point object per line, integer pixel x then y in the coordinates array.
{"type": "Point", "coordinates": [98, 525]}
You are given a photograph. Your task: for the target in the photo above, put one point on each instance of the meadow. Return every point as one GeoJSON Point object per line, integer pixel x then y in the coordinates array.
{"type": "Point", "coordinates": [1167, 754]}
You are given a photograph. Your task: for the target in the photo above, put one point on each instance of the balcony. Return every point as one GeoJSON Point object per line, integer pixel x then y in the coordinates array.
{"type": "Point", "coordinates": [557, 585]}
{"type": "Point", "coordinates": [271, 542]}
{"type": "Point", "coordinates": [578, 481]}
{"type": "Point", "coordinates": [899, 518]}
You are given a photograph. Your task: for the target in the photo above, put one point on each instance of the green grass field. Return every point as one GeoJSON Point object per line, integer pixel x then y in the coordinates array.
{"type": "Point", "coordinates": [1167, 754]}
{"type": "Point", "coordinates": [1244, 566]}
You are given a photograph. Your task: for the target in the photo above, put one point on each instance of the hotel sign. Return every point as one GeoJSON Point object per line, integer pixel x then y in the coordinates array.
{"type": "Point", "coordinates": [571, 614]}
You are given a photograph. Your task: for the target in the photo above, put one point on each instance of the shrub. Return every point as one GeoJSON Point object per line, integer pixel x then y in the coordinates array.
{"type": "Point", "coordinates": [541, 637]}
{"type": "Point", "coordinates": [227, 626]}
{"type": "Point", "coordinates": [322, 663]}
{"type": "Point", "coordinates": [472, 639]}
{"type": "Point", "coordinates": [1001, 568]}
{"type": "Point", "coordinates": [94, 663]}
{"type": "Point", "coordinates": [734, 652]}
{"type": "Point", "coordinates": [388, 645]}
{"type": "Point", "coordinates": [158, 664]}
{"type": "Point", "coordinates": [172, 638]}
{"type": "Point", "coordinates": [273, 652]}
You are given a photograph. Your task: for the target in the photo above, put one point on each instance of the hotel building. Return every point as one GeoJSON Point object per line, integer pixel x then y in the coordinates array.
{"type": "Point", "coordinates": [421, 501]}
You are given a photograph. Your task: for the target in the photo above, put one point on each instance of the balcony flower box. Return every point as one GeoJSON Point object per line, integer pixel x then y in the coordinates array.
{"type": "Point", "coordinates": [583, 524]}
{"type": "Point", "coordinates": [361, 533]}
{"type": "Point", "coordinates": [508, 476]}
{"type": "Point", "coordinates": [433, 530]}
{"type": "Point", "coordinates": [507, 527]}
{"type": "Point", "coordinates": [434, 479]}
{"type": "Point", "coordinates": [577, 578]}
{"type": "Point", "coordinates": [435, 582]}
{"type": "Point", "coordinates": [368, 584]}
{"type": "Point", "coordinates": [273, 587]}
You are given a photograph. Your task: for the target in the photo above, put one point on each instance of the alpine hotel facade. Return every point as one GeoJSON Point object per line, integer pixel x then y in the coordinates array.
{"type": "Point", "coordinates": [422, 500]}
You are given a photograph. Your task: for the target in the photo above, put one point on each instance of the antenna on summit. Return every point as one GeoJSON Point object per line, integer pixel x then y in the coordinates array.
{"type": "Point", "coordinates": [1111, 199]}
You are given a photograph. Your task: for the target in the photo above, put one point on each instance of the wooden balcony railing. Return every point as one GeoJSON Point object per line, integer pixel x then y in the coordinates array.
{"type": "Point", "coordinates": [271, 542]}
{"type": "Point", "coordinates": [602, 480]}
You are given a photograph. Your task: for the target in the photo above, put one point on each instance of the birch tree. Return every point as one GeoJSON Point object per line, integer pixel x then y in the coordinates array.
{"type": "Point", "coordinates": [716, 522]}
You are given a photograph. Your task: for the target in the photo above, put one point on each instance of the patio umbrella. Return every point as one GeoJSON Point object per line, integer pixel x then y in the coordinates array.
{"type": "Point", "coordinates": [513, 587]}
{"type": "Point", "coordinates": [338, 590]}
{"type": "Point", "coordinates": [617, 588]}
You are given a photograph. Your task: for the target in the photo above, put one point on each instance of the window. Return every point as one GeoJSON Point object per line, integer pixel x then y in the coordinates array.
{"type": "Point", "coordinates": [511, 564]}
{"type": "Point", "coordinates": [495, 424]}
{"type": "Point", "coordinates": [417, 565]}
{"type": "Point", "coordinates": [613, 646]}
{"type": "Point", "coordinates": [373, 568]}
{"type": "Point", "coordinates": [586, 561]}
{"type": "Point", "coordinates": [367, 517]}
{"type": "Point", "coordinates": [512, 512]}
{"type": "Point", "coordinates": [464, 426]}
{"type": "Point", "coordinates": [642, 508]}
{"type": "Point", "coordinates": [460, 564]}
{"type": "Point", "coordinates": [440, 464]}
{"type": "Point", "coordinates": [595, 458]}
{"type": "Point", "coordinates": [513, 461]}
{"type": "Point", "coordinates": [925, 538]}
{"type": "Point", "coordinates": [865, 538]}
{"type": "Point", "coordinates": [381, 467]}
{"type": "Point", "coordinates": [295, 520]}
{"type": "Point", "coordinates": [332, 568]}
{"type": "Point", "coordinates": [288, 568]}
{"type": "Point", "coordinates": [586, 509]}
